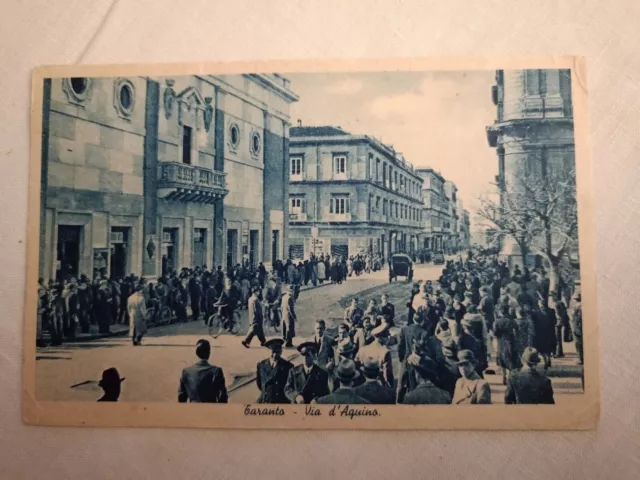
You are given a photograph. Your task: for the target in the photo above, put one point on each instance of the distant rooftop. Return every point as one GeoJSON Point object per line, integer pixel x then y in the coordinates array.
{"type": "Point", "coordinates": [321, 131]}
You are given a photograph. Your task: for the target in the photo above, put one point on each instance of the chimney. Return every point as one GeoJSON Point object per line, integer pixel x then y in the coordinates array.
{"type": "Point", "coordinates": [299, 122]}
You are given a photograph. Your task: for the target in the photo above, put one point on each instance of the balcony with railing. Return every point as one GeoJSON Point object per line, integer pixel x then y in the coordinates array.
{"type": "Point", "coordinates": [297, 217]}
{"type": "Point", "coordinates": [189, 183]}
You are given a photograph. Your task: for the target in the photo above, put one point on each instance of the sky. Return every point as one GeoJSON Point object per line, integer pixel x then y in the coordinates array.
{"type": "Point", "coordinates": [435, 119]}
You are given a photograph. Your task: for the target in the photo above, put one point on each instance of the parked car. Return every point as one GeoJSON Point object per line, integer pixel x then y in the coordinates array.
{"type": "Point", "coordinates": [400, 265]}
{"type": "Point", "coordinates": [438, 258]}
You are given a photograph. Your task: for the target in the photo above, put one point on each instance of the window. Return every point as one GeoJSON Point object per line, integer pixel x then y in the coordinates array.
{"type": "Point", "coordinates": [377, 170]}
{"type": "Point", "coordinates": [186, 145]}
{"type": "Point", "coordinates": [395, 181]}
{"type": "Point", "coordinates": [79, 85]}
{"type": "Point", "coordinates": [339, 205]}
{"type": "Point", "coordinates": [234, 135]}
{"type": "Point", "coordinates": [296, 168]}
{"type": "Point", "coordinates": [385, 205]}
{"type": "Point", "coordinates": [256, 143]}
{"type": "Point", "coordinates": [340, 166]}
{"type": "Point", "coordinates": [296, 205]}
{"type": "Point", "coordinates": [126, 97]}
{"type": "Point", "coordinates": [378, 204]}
{"type": "Point", "coordinates": [384, 174]}
{"type": "Point", "coordinates": [535, 82]}
{"type": "Point", "coordinates": [397, 210]}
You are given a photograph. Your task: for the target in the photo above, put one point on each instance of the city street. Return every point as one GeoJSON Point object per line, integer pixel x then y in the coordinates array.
{"type": "Point", "coordinates": [152, 371]}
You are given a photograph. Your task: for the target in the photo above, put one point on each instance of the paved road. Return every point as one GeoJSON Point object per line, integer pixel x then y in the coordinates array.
{"type": "Point", "coordinates": [152, 370]}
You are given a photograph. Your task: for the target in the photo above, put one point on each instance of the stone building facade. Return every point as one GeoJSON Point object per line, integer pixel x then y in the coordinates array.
{"type": "Point", "coordinates": [533, 131]}
{"type": "Point", "coordinates": [437, 223]}
{"type": "Point", "coordinates": [452, 227]}
{"type": "Point", "coordinates": [141, 174]}
{"type": "Point", "coordinates": [350, 194]}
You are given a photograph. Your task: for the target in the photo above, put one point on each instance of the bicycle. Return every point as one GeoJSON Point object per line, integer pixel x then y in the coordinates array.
{"type": "Point", "coordinates": [216, 323]}
{"type": "Point", "coordinates": [157, 315]}
{"type": "Point", "coordinates": [271, 322]}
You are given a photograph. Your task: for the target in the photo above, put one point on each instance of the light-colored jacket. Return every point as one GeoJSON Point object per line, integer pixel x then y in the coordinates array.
{"type": "Point", "coordinates": [322, 274]}
{"type": "Point", "coordinates": [138, 313]}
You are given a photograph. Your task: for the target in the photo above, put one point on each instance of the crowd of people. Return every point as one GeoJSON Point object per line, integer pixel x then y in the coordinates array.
{"type": "Point", "coordinates": [478, 316]}
{"type": "Point", "coordinates": [72, 304]}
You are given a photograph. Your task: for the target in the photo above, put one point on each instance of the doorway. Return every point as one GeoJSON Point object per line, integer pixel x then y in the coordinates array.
{"type": "Point", "coordinates": [68, 255]}
{"type": "Point", "coordinates": [169, 249]}
{"type": "Point", "coordinates": [254, 237]}
{"type": "Point", "coordinates": [199, 247]}
{"type": "Point", "coordinates": [275, 245]}
{"type": "Point", "coordinates": [232, 247]}
{"type": "Point", "coordinates": [119, 252]}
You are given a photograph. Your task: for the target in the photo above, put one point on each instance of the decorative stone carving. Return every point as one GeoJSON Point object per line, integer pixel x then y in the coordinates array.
{"type": "Point", "coordinates": [190, 105]}
{"type": "Point", "coordinates": [208, 113]}
{"type": "Point", "coordinates": [78, 90]}
{"type": "Point", "coordinates": [124, 97]}
{"type": "Point", "coordinates": [169, 98]}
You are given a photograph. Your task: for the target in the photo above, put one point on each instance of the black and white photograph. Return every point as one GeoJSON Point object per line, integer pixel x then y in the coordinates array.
{"type": "Point", "coordinates": [347, 248]}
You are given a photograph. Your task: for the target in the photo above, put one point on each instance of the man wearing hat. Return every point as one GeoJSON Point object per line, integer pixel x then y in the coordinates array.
{"type": "Point", "coordinates": [470, 388]}
{"type": "Point", "coordinates": [137, 308]}
{"type": "Point", "coordinates": [447, 366]}
{"type": "Point", "coordinates": [202, 382]}
{"type": "Point", "coordinates": [346, 373]}
{"type": "Point", "coordinates": [307, 381]}
{"type": "Point", "coordinates": [272, 374]}
{"type": "Point", "coordinates": [288, 316]}
{"type": "Point", "coordinates": [110, 383]}
{"type": "Point", "coordinates": [408, 334]}
{"type": "Point", "coordinates": [345, 349]}
{"type": "Point", "coordinates": [372, 390]}
{"type": "Point", "coordinates": [529, 386]}
{"type": "Point", "coordinates": [577, 326]}
{"type": "Point", "coordinates": [256, 317]}
{"type": "Point", "coordinates": [378, 350]}
{"type": "Point", "coordinates": [426, 392]}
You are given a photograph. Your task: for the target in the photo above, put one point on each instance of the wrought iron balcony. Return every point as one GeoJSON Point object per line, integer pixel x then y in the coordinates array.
{"type": "Point", "coordinates": [189, 183]}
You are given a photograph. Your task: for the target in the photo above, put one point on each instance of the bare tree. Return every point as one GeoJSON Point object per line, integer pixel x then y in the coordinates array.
{"type": "Point", "coordinates": [539, 211]}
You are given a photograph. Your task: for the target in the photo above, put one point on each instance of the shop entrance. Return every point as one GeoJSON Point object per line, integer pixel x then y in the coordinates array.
{"type": "Point", "coordinates": [169, 249]}
{"type": "Point", "coordinates": [68, 255]}
{"type": "Point", "coordinates": [119, 252]}
{"type": "Point", "coordinates": [232, 247]}
{"type": "Point", "coordinates": [199, 247]}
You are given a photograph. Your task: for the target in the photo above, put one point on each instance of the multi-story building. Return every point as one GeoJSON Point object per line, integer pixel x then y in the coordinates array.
{"type": "Point", "coordinates": [452, 229]}
{"type": "Point", "coordinates": [140, 175]}
{"type": "Point", "coordinates": [533, 131]}
{"type": "Point", "coordinates": [350, 194]}
{"type": "Point", "coordinates": [437, 222]}
{"type": "Point", "coordinates": [465, 235]}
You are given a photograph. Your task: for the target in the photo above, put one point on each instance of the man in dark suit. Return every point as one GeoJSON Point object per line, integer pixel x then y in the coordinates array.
{"type": "Point", "coordinates": [272, 374]}
{"type": "Point", "coordinates": [353, 314]}
{"type": "Point", "coordinates": [408, 334]}
{"type": "Point", "coordinates": [202, 382]}
{"type": "Point", "coordinates": [426, 393]}
{"type": "Point", "coordinates": [307, 381]}
{"type": "Point", "coordinates": [346, 373]}
{"type": "Point", "coordinates": [324, 345]}
{"type": "Point", "coordinates": [388, 310]}
{"type": "Point", "coordinates": [372, 390]}
{"type": "Point", "coordinates": [529, 386]}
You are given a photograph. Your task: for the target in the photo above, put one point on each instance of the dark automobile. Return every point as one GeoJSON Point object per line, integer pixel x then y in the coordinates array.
{"type": "Point", "coordinates": [400, 265]}
{"type": "Point", "coordinates": [438, 258]}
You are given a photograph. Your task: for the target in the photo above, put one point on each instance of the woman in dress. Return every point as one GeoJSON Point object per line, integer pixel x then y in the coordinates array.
{"type": "Point", "coordinates": [545, 338]}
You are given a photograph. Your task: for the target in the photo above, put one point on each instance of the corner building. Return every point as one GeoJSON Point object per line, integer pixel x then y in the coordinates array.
{"type": "Point", "coordinates": [350, 194]}
{"type": "Point", "coordinates": [533, 131]}
{"type": "Point", "coordinates": [141, 174]}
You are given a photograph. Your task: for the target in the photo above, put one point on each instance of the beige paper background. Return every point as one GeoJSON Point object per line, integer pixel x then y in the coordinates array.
{"type": "Point", "coordinates": [93, 32]}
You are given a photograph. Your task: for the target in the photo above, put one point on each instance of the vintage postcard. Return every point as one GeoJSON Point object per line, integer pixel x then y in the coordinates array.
{"type": "Point", "coordinates": [389, 244]}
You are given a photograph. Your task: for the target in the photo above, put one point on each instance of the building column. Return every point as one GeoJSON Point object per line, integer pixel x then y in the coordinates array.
{"type": "Point", "coordinates": [44, 165]}
{"type": "Point", "coordinates": [152, 241]}
{"type": "Point", "coordinates": [219, 256]}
